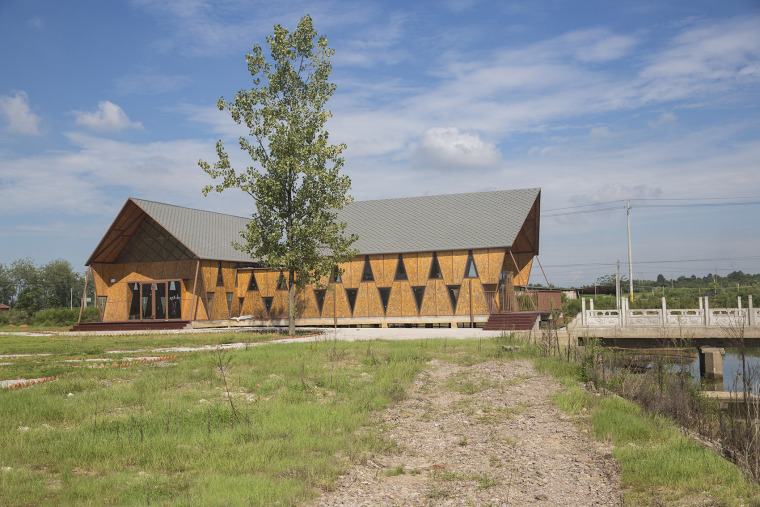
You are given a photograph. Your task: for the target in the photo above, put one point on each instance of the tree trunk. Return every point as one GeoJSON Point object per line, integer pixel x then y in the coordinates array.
{"type": "Point", "coordinates": [291, 313]}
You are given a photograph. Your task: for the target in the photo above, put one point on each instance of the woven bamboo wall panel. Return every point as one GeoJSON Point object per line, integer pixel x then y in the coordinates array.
{"type": "Point", "coordinates": [429, 301]}
{"type": "Point", "coordinates": [495, 262]}
{"type": "Point", "coordinates": [446, 262]}
{"type": "Point", "coordinates": [352, 272]}
{"type": "Point", "coordinates": [394, 301]}
{"type": "Point", "coordinates": [153, 270]}
{"type": "Point", "coordinates": [443, 304]}
{"type": "Point", "coordinates": [97, 281]}
{"type": "Point", "coordinates": [479, 305]}
{"type": "Point", "coordinates": [408, 306]}
{"type": "Point", "coordinates": [389, 270]}
{"type": "Point", "coordinates": [481, 261]}
{"type": "Point", "coordinates": [410, 261]}
{"type": "Point", "coordinates": [424, 260]}
{"type": "Point", "coordinates": [458, 263]}
{"type": "Point", "coordinates": [305, 303]}
{"type": "Point", "coordinates": [280, 305]}
{"type": "Point", "coordinates": [463, 305]}
{"type": "Point", "coordinates": [208, 275]}
{"type": "Point", "coordinates": [374, 303]}
{"type": "Point", "coordinates": [378, 268]}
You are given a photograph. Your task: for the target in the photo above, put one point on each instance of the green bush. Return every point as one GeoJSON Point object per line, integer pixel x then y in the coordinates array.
{"type": "Point", "coordinates": [61, 317]}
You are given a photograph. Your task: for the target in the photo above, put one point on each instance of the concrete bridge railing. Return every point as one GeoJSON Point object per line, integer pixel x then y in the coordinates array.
{"type": "Point", "coordinates": [702, 316]}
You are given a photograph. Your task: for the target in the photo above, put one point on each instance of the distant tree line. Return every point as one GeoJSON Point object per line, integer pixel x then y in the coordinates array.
{"type": "Point", "coordinates": [30, 288]}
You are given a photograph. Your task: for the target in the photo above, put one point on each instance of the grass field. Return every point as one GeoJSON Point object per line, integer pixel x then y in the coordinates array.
{"type": "Point", "coordinates": [264, 425]}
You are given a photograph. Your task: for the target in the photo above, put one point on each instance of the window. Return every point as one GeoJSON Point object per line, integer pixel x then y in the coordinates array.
{"type": "Point", "coordinates": [210, 299]}
{"type": "Point", "coordinates": [219, 277]}
{"type": "Point", "coordinates": [470, 271]}
{"type": "Point", "coordinates": [367, 275]}
{"type": "Point", "coordinates": [336, 278]}
{"type": "Point", "coordinates": [160, 289]}
{"type": "Point", "coordinates": [400, 269]}
{"type": "Point", "coordinates": [252, 285]}
{"type": "Point", "coordinates": [351, 293]}
{"type": "Point", "coordinates": [268, 305]}
{"type": "Point", "coordinates": [241, 302]}
{"type": "Point", "coordinates": [419, 295]}
{"type": "Point", "coordinates": [102, 306]}
{"type": "Point", "coordinates": [435, 268]}
{"type": "Point", "coordinates": [229, 304]}
{"type": "Point", "coordinates": [134, 301]}
{"type": "Point", "coordinates": [319, 295]}
{"type": "Point", "coordinates": [175, 300]}
{"type": "Point", "coordinates": [282, 283]}
{"type": "Point", "coordinates": [453, 291]}
{"type": "Point", "coordinates": [385, 296]}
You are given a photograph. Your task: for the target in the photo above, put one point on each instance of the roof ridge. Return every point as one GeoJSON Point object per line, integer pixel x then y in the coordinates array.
{"type": "Point", "coordinates": [447, 195]}
{"type": "Point", "coordinates": [137, 200]}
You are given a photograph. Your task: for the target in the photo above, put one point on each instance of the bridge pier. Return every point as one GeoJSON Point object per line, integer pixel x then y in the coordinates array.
{"type": "Point", "coordinates": [711, 363]}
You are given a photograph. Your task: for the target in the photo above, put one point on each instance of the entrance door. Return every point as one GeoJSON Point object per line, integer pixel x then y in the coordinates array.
{"type": "Point", "coordinates": [155, 300]}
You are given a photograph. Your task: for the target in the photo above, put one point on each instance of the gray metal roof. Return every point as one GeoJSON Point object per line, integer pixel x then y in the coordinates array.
{"type": "Point", "coordinates": [408, 224]}
{"type": "Point", "coordinates": [207, 234]}
{"type": "Point", "coordinates": [439, 222]}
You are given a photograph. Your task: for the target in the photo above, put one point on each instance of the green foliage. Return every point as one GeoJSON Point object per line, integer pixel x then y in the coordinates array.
{"type": "Point", "coordinates": [296, 182]}
{"type": "Point", "coordinates": [31, 288]}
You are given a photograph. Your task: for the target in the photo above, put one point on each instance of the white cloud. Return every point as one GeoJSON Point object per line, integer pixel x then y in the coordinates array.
{"type": "Point", "coordinates": [20, 119]}
{"type": "Point", "coordinates": [108, 118]}
{"type": "Point", "coordinates": [448, 148]}
{"type": "Point", "coordinates": [663, 119]}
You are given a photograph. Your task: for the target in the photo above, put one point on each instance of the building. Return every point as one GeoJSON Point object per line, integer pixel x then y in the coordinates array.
{"type": "Point", "coordinates": [444, 259]}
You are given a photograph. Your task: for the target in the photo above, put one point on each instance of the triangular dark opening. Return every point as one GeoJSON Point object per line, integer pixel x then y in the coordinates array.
{"type": "Point", "coordinates": [252, 285]}
{"type": "Point", "coordinates": [385, 296]}
{"type": "Point", "coordinates": [367, 275]}
{"type": "Point", "coordinates": [319, 295]}
{"type": "Point", "coordinates": [470, 271]}
{"type": "Point", "coordinates": [219, 277]}
{"type": "Point", "coordinates": [229, 304]}
{"type": "Point", "coordinates": [400, 269]}
{"type": "Point", "coordinates": [435, 268]}
{"type": "Point", "coordinates": [336, 278]}
{"type": "Point", "coordinates": [210, 299]}
{"type": "Point", "coordinates": [453, 291]}
{"type": "Point", "coordinates": [241, 301]}
{"type": "Point", "coordinates": [419, 295]}
{"type": "Point", "coordinates": [268, 304]}
{"type": "Point", "coordinates": [351, 293]}
{"type": "Point", "coordinates": [282, 283]}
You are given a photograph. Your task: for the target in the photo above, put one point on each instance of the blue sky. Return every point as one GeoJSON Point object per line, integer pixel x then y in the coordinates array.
{"type": "Point", "coordinates": [595, 102]}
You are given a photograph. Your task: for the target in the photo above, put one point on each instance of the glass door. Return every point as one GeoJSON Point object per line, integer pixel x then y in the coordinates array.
{"type": "Point", "coordinates": [155, 300]}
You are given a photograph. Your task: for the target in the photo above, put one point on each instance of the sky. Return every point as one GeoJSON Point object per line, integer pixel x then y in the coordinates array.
{"type": "Point", "coordinates": [595, 102]}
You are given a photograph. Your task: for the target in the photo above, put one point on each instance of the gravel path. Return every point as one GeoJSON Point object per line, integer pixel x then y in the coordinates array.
{"type": "Point", "coordinates": [487, 434]}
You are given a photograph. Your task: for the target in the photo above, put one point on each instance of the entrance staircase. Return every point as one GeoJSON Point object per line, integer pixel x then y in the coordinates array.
{"type": "Point", "coordinates": [512, 321]}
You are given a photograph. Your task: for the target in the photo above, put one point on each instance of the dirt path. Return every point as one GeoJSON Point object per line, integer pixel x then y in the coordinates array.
{"type": "Point", "coordinates": [481, 435]}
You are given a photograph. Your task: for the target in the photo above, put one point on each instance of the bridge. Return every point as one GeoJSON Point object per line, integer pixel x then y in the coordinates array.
{"type": "Point", "coordinates": [663, 327]}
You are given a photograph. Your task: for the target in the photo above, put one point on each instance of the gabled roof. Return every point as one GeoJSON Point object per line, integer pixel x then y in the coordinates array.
{"type": "Point", "coordinates": [206, 234]}
{"type": "Point", "coordinates": [439, 222]}
{"type": "Point", "coordinates": [409, 224]}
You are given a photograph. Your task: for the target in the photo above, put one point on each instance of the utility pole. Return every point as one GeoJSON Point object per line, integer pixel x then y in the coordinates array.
{"type": "Point", "coordinates": [617, 286]}
{"type": "Point", "coordinates": [630, 264]}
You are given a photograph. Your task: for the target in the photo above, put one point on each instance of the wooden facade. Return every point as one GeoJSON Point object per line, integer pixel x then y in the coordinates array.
{"type": "Point", "coordinates": [142, 271]}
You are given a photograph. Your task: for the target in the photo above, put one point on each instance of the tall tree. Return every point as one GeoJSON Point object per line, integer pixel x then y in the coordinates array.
{"type": "Point", "coordinates": [296, 182]}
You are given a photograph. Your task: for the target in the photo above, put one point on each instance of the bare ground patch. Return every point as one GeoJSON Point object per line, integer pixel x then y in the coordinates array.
{"type": "Point", "coordinates": [486, 434]}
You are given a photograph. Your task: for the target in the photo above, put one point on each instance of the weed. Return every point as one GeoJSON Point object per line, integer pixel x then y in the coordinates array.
{"type": "Point", "coordinates": [399, 470]}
